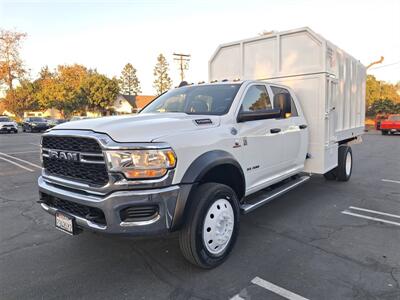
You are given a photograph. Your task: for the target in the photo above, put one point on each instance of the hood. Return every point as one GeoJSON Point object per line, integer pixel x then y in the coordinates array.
{"type": "Point", "coordinates": [143, 127]}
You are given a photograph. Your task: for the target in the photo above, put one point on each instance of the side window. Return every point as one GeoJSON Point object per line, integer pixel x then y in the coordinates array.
{"type": "Point", "coordinates": [256, 99]}
{"type": "Point", "coordinates": [279, 90]}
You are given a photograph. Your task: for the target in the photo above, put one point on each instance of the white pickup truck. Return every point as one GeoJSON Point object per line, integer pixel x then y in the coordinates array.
{"type": "Point", "coordinates": [199, 156]}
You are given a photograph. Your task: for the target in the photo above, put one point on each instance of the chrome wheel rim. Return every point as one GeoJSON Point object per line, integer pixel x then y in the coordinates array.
{"type": "Point", "coordinates": [218, 226]}
{"type": "Point", "coordinates": [348, 163]}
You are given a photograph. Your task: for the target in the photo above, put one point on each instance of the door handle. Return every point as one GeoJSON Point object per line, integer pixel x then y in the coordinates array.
{"type": "Point", "coordinates": [304, 126]}
{"type": "Point", "coordinates": [275, 130]}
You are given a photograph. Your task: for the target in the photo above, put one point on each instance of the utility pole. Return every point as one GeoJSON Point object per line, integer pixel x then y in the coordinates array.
{"type": "Point", "coordinates": [183, 61]}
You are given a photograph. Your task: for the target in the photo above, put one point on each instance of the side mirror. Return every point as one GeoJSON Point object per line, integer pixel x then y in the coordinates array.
{"type": "Point", "coordinates": [258, 115]}
{"type": "Point", "coordinates": [283, 101]}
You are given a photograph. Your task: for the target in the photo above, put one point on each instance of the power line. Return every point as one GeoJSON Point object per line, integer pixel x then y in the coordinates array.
{"type": "Point", "coordinates": [384, 66]}
{"type": "Point", "coordinates": [183, 60]}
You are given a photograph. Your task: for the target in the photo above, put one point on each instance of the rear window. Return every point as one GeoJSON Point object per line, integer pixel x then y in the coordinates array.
{"type": "Point", "coordinates": [5, 119]}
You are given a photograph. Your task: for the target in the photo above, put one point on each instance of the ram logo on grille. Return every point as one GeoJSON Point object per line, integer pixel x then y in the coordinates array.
{"type": "Point", "coordinates": [71, 156]}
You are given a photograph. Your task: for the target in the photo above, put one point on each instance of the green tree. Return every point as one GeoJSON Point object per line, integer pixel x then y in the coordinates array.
{"type": "Point", "coordinates": [377, 90]}
{"type": "Point", "coordinates": [100, 92]}
{"type": "Point", "coordinates": [384, 106]}
{"type": "Point", "coordinates": [129, 82]}
{"type": "Point", "coordinates": [162, 81]}
{"type": "Point", "coordinates": [45, 74]}
{"type": "Point", "coordinates": [22, 98]}
{"type": "Point", "coordinates": [11, 65]}
{"type": "Point", "coordinates": [63, 90]}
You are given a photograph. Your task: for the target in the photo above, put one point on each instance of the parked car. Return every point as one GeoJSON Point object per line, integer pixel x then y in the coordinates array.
{"type": "Point", "coordinates": [77, 118]}
{"type": "Point", "coordinates": [33, 124]}
{"type": "Point", "coordinates": [55, 122]}
{"type": "Point", "coordinates": [391, 124]}
{"type": "Point", "coordinates": [200, 155]}
{"type": "Point", "coordinates": [7, 125]}
{"type": "Point", "coordinates": [378, 119]}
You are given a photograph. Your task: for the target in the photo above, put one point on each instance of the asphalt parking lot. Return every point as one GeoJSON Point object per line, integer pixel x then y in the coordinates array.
{"type": "Point", "coordinates": [323, 240]}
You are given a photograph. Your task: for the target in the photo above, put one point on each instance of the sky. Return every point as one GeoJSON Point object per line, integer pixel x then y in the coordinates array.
{"type": "Point", "coordinates": [108, 34]}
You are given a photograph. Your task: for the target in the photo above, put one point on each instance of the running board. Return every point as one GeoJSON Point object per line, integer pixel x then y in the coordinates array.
{"type": "Point", "coordinates": [264, 197]}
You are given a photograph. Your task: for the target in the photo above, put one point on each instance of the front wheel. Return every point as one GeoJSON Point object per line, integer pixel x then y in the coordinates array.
{"type": "Point", "coordinates": [384, 132]}
{"type": "Point", "coordinates": [212, 225]}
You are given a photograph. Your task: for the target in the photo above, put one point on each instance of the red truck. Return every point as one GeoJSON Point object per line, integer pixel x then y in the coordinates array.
{"type": "Point", "coordinates": [391, 124]}
{"type": "Point", "coordinates": [378, 119]}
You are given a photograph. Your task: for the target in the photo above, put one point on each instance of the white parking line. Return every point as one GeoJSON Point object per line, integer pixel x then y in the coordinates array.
{"type": "Point", "coordinates": [236, 297]}
{"type": "Point", "coordinates": [276, 289]}
{"type": "Point", "coordinates": [23, 152]}
{"type": "Point", "coordinates": [370, 218]}
{"type": "Point", "coordinates": [374, 212]}
{"type": "Point", "coordinates": [22, 160]}
{"type": "Point", "coordinates": [392, 181]}
{"type": "Point", "coordinates": [17, 164]}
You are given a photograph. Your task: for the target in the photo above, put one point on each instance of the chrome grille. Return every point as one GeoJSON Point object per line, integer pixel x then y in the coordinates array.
{"type": "Point", "coordinates": [88, 165]}
{"type": "Point", "coordinates": [78, 144]}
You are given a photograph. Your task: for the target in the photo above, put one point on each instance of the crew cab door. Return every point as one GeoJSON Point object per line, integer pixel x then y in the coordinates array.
{"type": "Point", "coordinates": [294, 132]}
{"type": "Point", "coordinates": [260, 140]}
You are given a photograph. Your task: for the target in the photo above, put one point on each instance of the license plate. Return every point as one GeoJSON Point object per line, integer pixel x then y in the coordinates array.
{"type": "Point", "coordinates": [65, 223]}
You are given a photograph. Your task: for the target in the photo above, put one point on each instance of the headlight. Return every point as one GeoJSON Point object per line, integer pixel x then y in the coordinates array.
{"type": "Point", "coordinates": [141, 164]}
{"type": "Point", "coordinates": [33, 124]}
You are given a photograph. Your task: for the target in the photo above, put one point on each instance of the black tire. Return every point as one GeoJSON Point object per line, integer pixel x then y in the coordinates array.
{"type": "Point", "coordinates": [343, 169]}
{"type": "Point", "coordinates": [331, 175]}
{"type": "Point", "coordinates": [384, 132]}
{"type": "Point", "coordinates": [23, 129]}
{"type": "Point", "coordinates": [191, 239]}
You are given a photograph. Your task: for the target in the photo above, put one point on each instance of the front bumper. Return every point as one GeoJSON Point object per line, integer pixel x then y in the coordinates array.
{"type": "Point", "coordinates": [166, 199]}
{"type": "Point", "coordinates": [40, 128]}
{"type": "Point", "coordinates": [8, 129]}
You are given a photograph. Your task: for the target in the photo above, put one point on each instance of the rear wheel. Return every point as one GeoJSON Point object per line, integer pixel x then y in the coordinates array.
{"type": "Point", "coordinates": [384, 132]}
{"type": "Point", "coordinates": [345, 163]}
{"type": "Point", "coordinates": [212, 225]}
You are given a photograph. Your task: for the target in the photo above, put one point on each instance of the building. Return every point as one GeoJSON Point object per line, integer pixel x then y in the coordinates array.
{"type": "Point", "coordinates": [126, 104]}
{"type": "Point", "coordinates": [123, 104]}
{"type": "Point", "coordinates": [50, 113]}
{"type": "Point", "coordinates": [141, 101]}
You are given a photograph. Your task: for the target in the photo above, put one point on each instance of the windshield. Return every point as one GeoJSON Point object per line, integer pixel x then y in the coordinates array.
{"type": "Point", "coordinates": [394, 118]}
{"type": "Point", "coordinates": [215, 99]}
{"type": "Point", "coordinates": [4, 119]}
{"type": "Point", "coordinates": [37, 119]}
